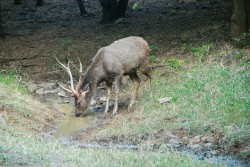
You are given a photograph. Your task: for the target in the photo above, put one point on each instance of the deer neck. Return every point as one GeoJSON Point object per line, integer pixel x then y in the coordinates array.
{"type": "Point", "coordinates": [92, 78]}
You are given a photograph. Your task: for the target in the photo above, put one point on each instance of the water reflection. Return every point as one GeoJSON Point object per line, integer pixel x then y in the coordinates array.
{"type": "Point", "coordinates": [70, 122]}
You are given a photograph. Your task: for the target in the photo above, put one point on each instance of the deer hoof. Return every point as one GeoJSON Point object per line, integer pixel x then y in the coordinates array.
{"type": "Point", "coordinates": [114, 113]}
{"type": "Point", "coordinates": [131, 108]}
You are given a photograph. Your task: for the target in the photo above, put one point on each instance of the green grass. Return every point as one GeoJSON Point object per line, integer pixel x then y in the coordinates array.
{"type": "Point", "coordinates": [22, 144]}
{"type": "Point", "coordinates": [32, 151]}
{"type": "Point", "coordinates": [205, 98]}
{"type": "Point", "coordinates": [20, 107]}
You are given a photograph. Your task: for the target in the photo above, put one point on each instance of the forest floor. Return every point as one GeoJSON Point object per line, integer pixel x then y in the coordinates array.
{"type": "Point", "coordinates": [175, 30]}
{"type": "Point", "coordinates": [36, 34]}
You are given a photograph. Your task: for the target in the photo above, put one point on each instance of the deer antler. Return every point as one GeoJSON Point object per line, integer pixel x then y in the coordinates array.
{"type": "Point", "coordinates": [80, 78]}
{"type": "Point", "coordinates": [71, 88]}
{"type": "Point", "coordinates": [64, 88]}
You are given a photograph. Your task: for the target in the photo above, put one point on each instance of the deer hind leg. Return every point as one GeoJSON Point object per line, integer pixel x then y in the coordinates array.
{"type": "Point", "coordinates": [134, 77]}
{"type": "Point", "coordinates": [118, 82]}
{"type": "Point", "coordinates": [146, 72]}
{"type": "Point", "coordinates": [109, 88]}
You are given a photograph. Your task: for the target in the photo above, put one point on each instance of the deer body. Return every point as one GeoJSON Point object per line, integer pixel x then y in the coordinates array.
{"type": "Point", "coordinates": [123, 57]}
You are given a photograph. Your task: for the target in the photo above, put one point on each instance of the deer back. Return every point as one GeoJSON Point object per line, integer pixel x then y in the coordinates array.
{"type": "Point", "coordinates": [122, 56]}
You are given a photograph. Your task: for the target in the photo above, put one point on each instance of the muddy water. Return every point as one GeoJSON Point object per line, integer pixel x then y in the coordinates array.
{"type": "Point", "coordinates": [70, 122]}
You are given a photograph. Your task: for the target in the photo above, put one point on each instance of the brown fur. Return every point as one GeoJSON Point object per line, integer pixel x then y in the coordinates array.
{"type": "Point", "coordinates": [123, 57]}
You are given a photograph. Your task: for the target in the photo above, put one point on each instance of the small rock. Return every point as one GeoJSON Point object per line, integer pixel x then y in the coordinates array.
{"type": "Point", "coordinates": [207, 139]}
{"type": "Point", "coordinates": [165, 100]}
{"type": "Point", "coordinates": [232, 128]}
{"type": "Point", "coordinates": [214, 152]}
{"type": "Point", "coordinates": [93, 102]}
{"type": "Point", "coordinates": [65, 101]}
{"type": "Point", "coordinates": [200, 158]}
{"type": "Point", "coordinates": [2, 122]}
{"type": "Point", "coordinates": [48, 86]}
{"type": "Point", "coordinates": [208, 145]}
{"type": "Point", "coordinates": [101, 87]}
{"type": "Point", "coordinates": [31, 87]}
{"type": "Point", "coordinates": [103, 99]}
{"type": "Point", "coordinates": [195, 140]}
{"type": "Point", "coordinates": [174, 143]}
{"type": "Point", "coordinates": [40, 91]}
{"type": "Point", "coordinates": [47, 135]}
{"type": "Point", "coordinates": [170, 135]}
{"type": "Point", "coordinates": [54, 91]}
{"type": "Point", "coordinates": [62, 93]}
{"type": "Point", "coordinates": [194, 146]}
{"type": "Point", "coordinates": [98, 108]}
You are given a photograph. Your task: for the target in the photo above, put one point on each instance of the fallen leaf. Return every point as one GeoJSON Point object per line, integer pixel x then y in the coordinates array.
{"type": "Point", "coordinates": [165, 100]}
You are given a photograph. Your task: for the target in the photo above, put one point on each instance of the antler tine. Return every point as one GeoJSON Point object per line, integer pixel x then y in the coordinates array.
{"type": "Point", "coordinates": [70, 75]}
{"type": "Point", "coordinates": [64, 88]}
{"type": "Point", "coordinates": [71, 79]}
{"type": "Point", "coordinates": [80, 77]}
{"type": "Point", "coordinates": [60, 63]}
{"type": "Point", "coordinates": [80, 66]}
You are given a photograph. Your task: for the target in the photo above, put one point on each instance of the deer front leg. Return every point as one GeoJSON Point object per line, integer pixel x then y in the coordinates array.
{"type": "Point", "coordinates": [118, 81]}
{"type": "Point", "coordinates": [109, 88]}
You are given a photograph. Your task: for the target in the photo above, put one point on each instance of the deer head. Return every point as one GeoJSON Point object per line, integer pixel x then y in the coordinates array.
{"type": "Point", "coordinates": [79, 94]}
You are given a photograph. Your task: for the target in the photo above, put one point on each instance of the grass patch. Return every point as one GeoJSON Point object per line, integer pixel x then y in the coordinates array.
{"type": "Point", "coordinates": [23, 118]}
{"type": "Point", "coordinates": [205, 98]}
{"type": "Point", "coordinates": [33, 151]}
{"type": "Point", "coordinates": [19, 109]}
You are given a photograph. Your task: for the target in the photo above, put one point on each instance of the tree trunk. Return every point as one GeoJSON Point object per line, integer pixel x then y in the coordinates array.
{"type": "Point", "coordinates": [0, 12]}
{"type": "Point", "coordinates": [81, 7]}
{"type": "Point", "coordinates": [39, 3]}
{"type": "Point", "coordinates": [17, 2]}
{"type": "Point", "coordinates": [240, 21]}
{"type": "Point", "coordinates": [247, 3]}
{"type": "Point", "coordinates": [1, 28]}
{"type": "Point", "coordinates": [122, 7]}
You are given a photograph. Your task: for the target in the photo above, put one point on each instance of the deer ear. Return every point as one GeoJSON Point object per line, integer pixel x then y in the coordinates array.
{"type": "Point", "coordinates": [86, 89]}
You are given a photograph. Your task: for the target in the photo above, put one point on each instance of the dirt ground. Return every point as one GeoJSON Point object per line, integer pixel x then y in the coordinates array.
{"type": "Point", "coordinates": [36, 34]}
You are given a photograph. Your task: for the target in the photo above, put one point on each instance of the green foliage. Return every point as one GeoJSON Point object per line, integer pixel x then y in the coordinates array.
{"type": "Point", "coordinates": [175, 63]}
{"type": "Point", "coordinates": [243, 40]}
{"type": "Point", "coordinates": [184, 47]}
{"type": "Point", "coordinates": [13, 81]}
{"type": "Point", "coordinates": [163, 60]}
{"type": "Point", "coordinates": [152, 47]}
{"type": "Point", "coordinates": [7, 78]}
{"type": "Point", "coordinates": [135, 5]}
{"type": "Point", "coordinates": [66, 42]}
{"type": "Point", "coordinates": [238, 54]}
{"type": "Point", "coordinates": [3, 157]}
{"type": "Point", "coordinates": [152, 59]}
{"type": "Point", "coordinates": [201, 52]}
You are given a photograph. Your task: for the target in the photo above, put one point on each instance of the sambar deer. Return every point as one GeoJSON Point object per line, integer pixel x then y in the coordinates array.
{"type": "Point", "coordinates": [123, 57]}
